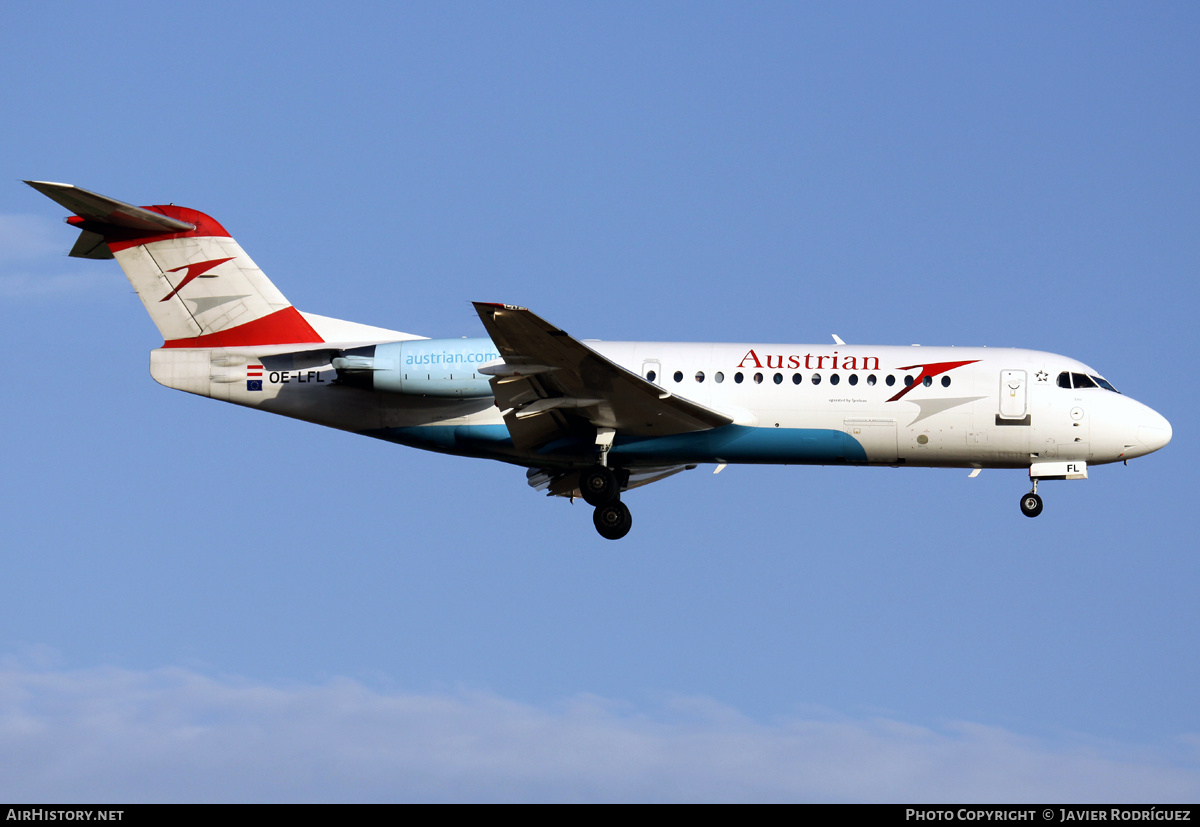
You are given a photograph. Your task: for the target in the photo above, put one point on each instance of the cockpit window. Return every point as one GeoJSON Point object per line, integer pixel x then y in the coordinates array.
{"type": "Point", "coordinates": [1081, 380]}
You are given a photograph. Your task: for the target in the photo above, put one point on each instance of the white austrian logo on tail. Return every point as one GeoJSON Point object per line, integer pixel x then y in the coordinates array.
{"type": "Point", "coordinates": [194, 270]}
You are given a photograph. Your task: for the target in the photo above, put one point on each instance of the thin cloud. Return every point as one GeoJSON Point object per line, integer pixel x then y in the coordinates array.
{"type": "Point", "coordinates": [25, 237]}
{"type": "Point", "coordinates": [36, 242]}
{"type": "Point", "coordinates": [17, 286]}
{"type": "Point", "coordinates": [109, 734]}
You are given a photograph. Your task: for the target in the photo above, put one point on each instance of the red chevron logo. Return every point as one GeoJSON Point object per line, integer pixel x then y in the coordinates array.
{"type": "Point", "coordinates": [930, 370]}
{"type": "Point", "coordinates": [194, 270]}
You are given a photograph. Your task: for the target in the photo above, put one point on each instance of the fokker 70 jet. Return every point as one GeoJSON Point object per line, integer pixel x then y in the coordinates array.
{"type": "Point", "coordinates": [595, 419]}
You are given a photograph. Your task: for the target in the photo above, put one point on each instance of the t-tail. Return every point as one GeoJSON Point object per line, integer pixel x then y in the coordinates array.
{"type": "Point", "coordinates": [197, 283]}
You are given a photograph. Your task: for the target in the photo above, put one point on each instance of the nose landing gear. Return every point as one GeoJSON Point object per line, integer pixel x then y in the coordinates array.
{"type": "Point", "coordinates": [1031, 503]}
{"type": "Point", "coordinates": [1071, 469]}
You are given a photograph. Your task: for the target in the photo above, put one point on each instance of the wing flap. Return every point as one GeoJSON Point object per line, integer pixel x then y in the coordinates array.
{"type": "Point", "coordinates": [557, 483]}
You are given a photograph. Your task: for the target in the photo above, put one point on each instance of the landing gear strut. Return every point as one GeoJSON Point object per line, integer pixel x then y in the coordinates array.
{"type": "Point", "coordinates": [601, 487]}
{"type": "Point", "coordinates": [1031, 503]}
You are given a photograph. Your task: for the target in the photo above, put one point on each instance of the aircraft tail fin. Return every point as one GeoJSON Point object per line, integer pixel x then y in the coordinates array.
{"type": "Point", "coordinates": [197, 283]}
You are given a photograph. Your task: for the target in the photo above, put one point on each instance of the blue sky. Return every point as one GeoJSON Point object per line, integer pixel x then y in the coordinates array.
{"type": "Point", "coordinates": [208, 603]}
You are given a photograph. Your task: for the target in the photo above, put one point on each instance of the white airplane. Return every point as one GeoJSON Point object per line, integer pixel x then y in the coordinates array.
{"type": "Point", "coordinates": [594, 419]}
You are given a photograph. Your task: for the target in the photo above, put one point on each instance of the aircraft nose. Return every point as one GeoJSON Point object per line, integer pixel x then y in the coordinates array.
{"type": "Point", "coordinates": [1154, 431]}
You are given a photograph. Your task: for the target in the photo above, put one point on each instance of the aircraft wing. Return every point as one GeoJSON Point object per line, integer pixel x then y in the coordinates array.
{"type": "Point", "coordinates": [551, 384]}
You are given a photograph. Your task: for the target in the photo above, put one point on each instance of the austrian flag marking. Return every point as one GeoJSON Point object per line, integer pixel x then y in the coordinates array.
{"type": "Point", "coordinates": [252, 383]}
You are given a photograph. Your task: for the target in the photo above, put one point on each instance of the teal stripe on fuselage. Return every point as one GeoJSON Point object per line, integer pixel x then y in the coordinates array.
{"type": "Point", "coordinates": [740, 443]}
{"type": "Point", "coordinates": [731, 443]}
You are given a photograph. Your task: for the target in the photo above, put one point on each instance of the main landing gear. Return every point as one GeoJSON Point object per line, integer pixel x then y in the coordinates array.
{"type": "Point", "coordinates": [601, 488]}
{"type": "Point", "coordinates": [1031, 503]}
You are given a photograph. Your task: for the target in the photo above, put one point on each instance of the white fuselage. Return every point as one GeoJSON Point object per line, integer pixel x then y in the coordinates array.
{"type": "Point", "coordinates": [823, 404]}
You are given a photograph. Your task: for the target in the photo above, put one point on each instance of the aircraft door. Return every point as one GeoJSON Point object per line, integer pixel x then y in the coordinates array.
{"type": "Point", "coordinates": [1014, 394]}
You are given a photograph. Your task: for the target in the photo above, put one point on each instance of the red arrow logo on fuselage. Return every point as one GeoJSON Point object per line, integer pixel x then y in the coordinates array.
{"type": "Point", "coordinates": [194, 270]}
{"type": "Point", "coordinates": [930, 370]}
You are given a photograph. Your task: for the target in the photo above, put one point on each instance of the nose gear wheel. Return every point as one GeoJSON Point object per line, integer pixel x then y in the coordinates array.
{"type": "Point", "coordinates": [1031, 504]}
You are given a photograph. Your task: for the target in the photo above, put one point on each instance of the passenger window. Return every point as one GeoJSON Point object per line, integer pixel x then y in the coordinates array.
{"type": "Point", "coordinates": [871, 379]}
{"type": "Point", "coordinates": [852, 379]}
{"type": "Point", "coordinates": [891, 380]}
{"type": "Point", "coordinates": [908, 380]}
{"type": "Point", "coordinates": [927, 381]}
{"type": "Point", "coordinates": [719, 378]}
{"type": "Point", "coordinates": [834, 379]}
{"type": "Point", "coordinates": [945, 381]}
{"type": "Point", "coordinates": [758, 378]}
{"type": "Point", "coordinates": [678, 376]}
{"type": "Point", "coordinates": [699, 376]}
{"type": "Point", "coordinates": [797, 378]}
{"type": "Point", "coordinates": [737, 377]}
{"type": "Point", "coordinates": [651, 376]}
{"type": "Point", "coordinates": [816, 378]}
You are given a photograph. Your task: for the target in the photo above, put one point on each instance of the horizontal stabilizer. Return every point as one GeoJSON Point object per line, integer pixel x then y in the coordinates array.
{"type": "Point", "coordinates": [100, 208]}
{"type": "Point", "coordinates": [90, 245]}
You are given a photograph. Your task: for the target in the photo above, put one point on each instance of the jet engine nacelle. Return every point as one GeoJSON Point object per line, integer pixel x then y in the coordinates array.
{"type": "Point", "coordinates": [422, 367]}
